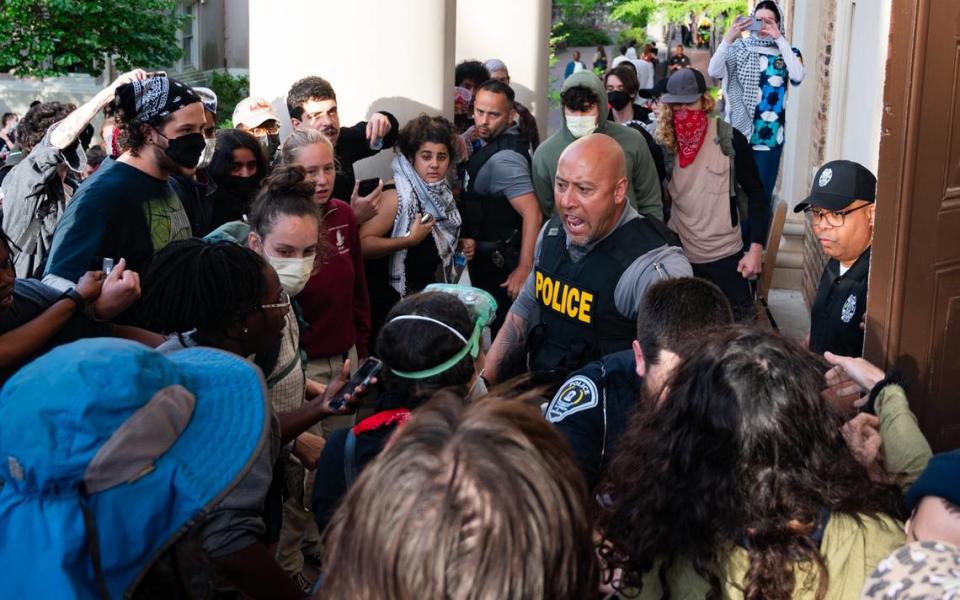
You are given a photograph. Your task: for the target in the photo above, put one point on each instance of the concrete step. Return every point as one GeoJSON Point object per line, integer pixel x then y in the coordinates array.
{"type": "Point", "coordinates": [791, 244]}
{"type": "Point", "coordinates": [787, 278]}
{"type": "Point", "coordinates": [793, 229]}
{"type": "Point", "coordinates": [790, 260]}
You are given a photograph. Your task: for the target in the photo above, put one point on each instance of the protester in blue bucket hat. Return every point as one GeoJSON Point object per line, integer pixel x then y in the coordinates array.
{"type": "Point", "coordinates": [109, 451]}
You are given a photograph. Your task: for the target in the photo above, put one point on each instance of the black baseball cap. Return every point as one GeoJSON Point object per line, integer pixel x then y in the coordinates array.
{"type": "Point", "coordinates": [837, 184]}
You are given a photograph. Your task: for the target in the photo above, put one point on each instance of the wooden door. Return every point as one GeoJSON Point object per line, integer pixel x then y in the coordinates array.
{"type": "Point", "coordinates": [913, 308]}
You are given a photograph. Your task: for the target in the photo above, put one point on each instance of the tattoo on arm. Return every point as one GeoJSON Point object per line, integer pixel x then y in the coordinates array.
{"type": "Point", "coordinates": [509, 344]}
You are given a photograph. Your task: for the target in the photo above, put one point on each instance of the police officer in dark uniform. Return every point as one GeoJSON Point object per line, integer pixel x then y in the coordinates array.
{"type": "Point", "coordinates": [499, 208]}
{"type": "Point", "coordinates": [594, 260]}
{"type": "Point", "coordinates": [592, 407]}
{"type": "Point", "coordinates": [841, 209]}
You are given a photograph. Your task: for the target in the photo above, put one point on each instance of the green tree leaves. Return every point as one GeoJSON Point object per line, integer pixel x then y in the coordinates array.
{"type": "Point", "coordinates": [45, 38]}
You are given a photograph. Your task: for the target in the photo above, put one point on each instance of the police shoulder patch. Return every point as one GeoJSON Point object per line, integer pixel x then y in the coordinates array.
{"type": "Point", "coordinates": [576, 395]}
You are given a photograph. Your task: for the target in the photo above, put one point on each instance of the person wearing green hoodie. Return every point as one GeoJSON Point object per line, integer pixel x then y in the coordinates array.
{"type": "Point", "coordinates": [585, 109]}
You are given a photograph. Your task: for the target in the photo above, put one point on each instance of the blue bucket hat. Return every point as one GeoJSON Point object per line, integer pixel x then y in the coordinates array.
{"type": "Point", "coordinates": [109, 451]}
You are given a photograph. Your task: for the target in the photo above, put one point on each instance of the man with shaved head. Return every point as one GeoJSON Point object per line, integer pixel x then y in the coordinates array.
{"type": "Point", "coordinates": [594, 259]}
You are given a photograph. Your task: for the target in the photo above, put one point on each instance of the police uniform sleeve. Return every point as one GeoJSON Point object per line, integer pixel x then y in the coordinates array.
{"type": "Point", "coordinates": [577, 413]}
{"type": "Point", "coordinates": [665, 262]}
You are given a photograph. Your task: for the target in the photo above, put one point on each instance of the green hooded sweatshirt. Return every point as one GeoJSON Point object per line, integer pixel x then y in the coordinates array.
{"type": "Point", "coordinates": [644, 189]}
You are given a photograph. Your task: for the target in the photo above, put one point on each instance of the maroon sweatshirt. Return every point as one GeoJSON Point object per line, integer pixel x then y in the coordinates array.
{"type": "Point", "coordinates": [335, 302]}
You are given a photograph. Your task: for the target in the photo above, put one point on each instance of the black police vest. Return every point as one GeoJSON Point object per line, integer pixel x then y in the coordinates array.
{"type": "Point", "coordinates": [578, 316]}
{"type": "Point", "coordinates": [487, 217]}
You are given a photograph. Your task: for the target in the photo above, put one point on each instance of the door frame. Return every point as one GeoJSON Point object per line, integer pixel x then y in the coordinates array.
{"type": "Point", "coordinates": [898, 145]}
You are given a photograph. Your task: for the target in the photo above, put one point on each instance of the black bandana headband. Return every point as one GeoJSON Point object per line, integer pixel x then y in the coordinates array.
{"type": "Point", "coordinates": [156, 97]}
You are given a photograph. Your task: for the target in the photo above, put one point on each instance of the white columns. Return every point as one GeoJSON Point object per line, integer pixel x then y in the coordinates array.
{"type": "Point", "coordinates": [377, 54]}
{"type": "Point", "coordinates": [518, 33]}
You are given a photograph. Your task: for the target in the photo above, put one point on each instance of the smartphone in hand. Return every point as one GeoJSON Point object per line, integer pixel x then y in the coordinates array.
{"type": "Point", "coordinates": [367, 371]}
{"type": "Point", "coordinates": [367, 186]}
{"type": "Point", "coordinates": [756, 24]}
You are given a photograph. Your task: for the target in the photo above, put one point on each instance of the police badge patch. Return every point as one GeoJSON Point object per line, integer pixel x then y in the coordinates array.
{"type": "Point", "coordinates": [849, 308]}
{"type": "Point", "coordinates": [578, 394]}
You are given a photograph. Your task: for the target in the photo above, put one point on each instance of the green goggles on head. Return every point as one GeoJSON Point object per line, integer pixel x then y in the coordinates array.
{"type": "Point", "coordinates": [482, 307]}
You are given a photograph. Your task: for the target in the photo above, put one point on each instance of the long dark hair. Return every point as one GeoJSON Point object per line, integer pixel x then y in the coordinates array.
{"type": "Point", "coordinates": [743, 451]}
{"type": "Point", "coordinates": [229, 140]}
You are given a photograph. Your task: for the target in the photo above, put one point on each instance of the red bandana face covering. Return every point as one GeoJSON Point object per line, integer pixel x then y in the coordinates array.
{"type": "Point", "coordinates": [691, 129]}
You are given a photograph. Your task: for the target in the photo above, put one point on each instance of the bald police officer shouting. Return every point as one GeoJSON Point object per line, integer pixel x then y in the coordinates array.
{"type": "Point", "coordinates": [593, 262]}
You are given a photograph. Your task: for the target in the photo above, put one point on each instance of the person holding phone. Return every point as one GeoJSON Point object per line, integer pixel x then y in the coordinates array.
{"type": "Point", "coordinates": [755, 71]}
{"type": "Point", "coordinates": [431, 341]}
{"type": "Point", "coordinates": [411, 242]}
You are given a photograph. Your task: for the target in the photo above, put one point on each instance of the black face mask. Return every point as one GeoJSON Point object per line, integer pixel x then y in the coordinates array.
{"type": "Point", "coordinates": [240, 186]}
{"type": "Point", "coordinates": [186, 149]}
{"type": "Point", "coordinates": [272, 146]}
{"type": "Point", "coordinates": [618, 100]}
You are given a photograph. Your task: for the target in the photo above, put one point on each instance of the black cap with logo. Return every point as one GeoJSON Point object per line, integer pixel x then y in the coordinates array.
{"type": "Point", "coordinates": [837, 184]}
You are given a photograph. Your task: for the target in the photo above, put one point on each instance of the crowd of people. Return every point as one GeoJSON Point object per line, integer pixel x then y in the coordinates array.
{"type": "Point", "coordinates": [518, 368]}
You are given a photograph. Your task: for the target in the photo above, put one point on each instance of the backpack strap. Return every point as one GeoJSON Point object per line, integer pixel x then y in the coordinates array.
{"type": "Point", "coordinates": [725, 140]}
{"type": "Point", "coordinates": [739, 203]}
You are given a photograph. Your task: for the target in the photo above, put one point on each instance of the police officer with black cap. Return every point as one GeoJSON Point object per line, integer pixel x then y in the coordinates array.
{"type": "Point", "coordinates": [841, 210]}
{"type": "Point", "coordinates": [592, 407]}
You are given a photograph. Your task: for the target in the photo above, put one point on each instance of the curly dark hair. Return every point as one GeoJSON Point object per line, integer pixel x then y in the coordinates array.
{"type": "Point", "coordinates": [305, 90]}
{"type": "Point", "coordinates": [34, 125]}
{"type": "Point", "coordinates": [743, 451]}
{"type": "Point", "coordinates": [579, 98]}
{"type": "Point", "coordinates": [408, 345]}
{"type": "Point", "coordinates": [132, 135]}
{"type": "Point", "coordinates": [424, 128]}
{"type": "Point", "coordinates": [472, 70]}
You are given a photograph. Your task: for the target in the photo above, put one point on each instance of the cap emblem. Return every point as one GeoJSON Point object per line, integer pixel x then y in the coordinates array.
{"type": "Point", "coordinates": [825, 177]}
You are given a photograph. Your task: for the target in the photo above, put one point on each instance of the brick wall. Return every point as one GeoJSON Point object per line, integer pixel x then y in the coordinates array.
{"type": "Point", "coordinates": [813, 257]}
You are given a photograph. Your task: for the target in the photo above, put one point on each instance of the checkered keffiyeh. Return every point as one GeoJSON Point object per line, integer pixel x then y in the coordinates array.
{"type": "Point", "coordinates": [743, 67]}
{"type": "Point", "coordinates": [156, 97]}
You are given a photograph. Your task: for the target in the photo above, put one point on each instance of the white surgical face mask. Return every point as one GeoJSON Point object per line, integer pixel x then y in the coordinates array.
{"type": "Point", "coordinates": [293, 272]}
{"type": "Point", "coordinates": [581, 126]}
{"type": "Point", "coordinates": [210, 145]}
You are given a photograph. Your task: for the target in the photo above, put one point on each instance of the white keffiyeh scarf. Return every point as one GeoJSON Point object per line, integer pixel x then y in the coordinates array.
{"type": "Point", "coordinates": [743, 88]}
{"type": "Point", "coordinates": [415, 196]}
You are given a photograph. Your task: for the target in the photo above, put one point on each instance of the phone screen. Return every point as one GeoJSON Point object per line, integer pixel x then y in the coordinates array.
{"type": "Point", "coordinates": [368, 185]}
{"type": "Point", "coordinates": [364, 374]}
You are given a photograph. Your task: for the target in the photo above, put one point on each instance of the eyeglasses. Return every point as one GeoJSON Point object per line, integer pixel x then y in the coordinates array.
{"type": "Point", "coordinates": [833, 218]}
{"type": "Point", "coordinates": [284, 303]}
{"type": "Point", "coordinates": [266, 129]}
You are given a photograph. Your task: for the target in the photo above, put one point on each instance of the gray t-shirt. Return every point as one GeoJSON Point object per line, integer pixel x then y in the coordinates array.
{"type": "Point", "coordinates": [34, 198]}
{"type": "Point", "coordinates": [507, 172]}
{"type": "Point", "coordinates": [664, 262]}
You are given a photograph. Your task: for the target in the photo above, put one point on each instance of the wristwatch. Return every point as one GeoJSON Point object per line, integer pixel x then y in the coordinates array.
{"type": "Point", "coordinates": [74, 295]}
